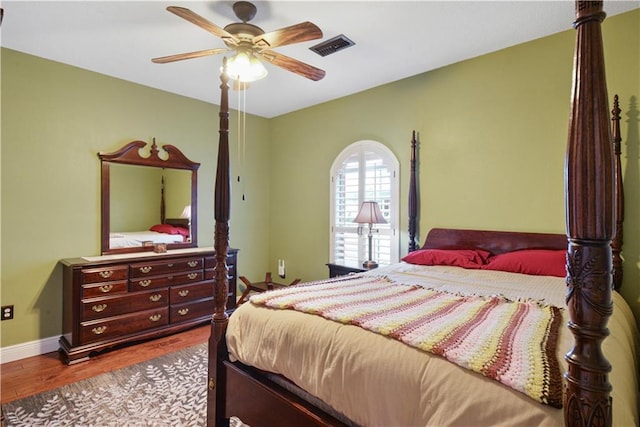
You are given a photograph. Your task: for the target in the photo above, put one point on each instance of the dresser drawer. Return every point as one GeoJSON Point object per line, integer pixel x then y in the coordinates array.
{"type": "Point", "coordinates": [190, 311]}
{"type": "Point", "coordinates": [210, 262]}
{"type": "Point", "coordinates": [210, 274]}
{"type": "Point", "coordinates": [105, 274]}
{"type": "Point", "coordinates": [115, 327]}
{"type": "Point", "coordinates": [104, 289]}
{"type": "Point", "coordinates": [96, 308]}
{"type": "Point", "coordinates": [140, 284]}
{"type": "Point", "coordinates": [186, 293]}
{"type": "Point", "coordinates": [154, 268]}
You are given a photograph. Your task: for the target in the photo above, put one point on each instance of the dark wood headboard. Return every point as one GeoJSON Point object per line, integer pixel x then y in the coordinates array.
{"type": "Point", "coordinates": [496, 242]}
{"type": "Point", "coordinates": [178, 222]}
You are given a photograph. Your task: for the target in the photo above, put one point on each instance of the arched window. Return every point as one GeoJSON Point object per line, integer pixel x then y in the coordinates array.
{"type": "Point", "coordinates": [364, 171]}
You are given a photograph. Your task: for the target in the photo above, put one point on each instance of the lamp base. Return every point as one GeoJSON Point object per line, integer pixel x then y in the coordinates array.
{"type": "Point", "coordinates": [369, 265]}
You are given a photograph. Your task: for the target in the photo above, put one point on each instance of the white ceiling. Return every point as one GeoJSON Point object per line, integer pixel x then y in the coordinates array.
{"type": "Point", "coordinates": [394, 40]}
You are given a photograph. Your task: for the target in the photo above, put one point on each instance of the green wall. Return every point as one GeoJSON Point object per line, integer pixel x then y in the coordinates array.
{"type": "Point", "coordinates": [55, 119]}
{"type": "Point", "coordinates": [492, 134]}
{"type": "Point", "coordinates": [135, 196]}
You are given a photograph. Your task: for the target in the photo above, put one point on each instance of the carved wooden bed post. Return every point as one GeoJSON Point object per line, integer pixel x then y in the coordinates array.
{"type": "Point", "coordinates": [590, 212]}
{"type": "Point", "coordinates": [616, 245]}
{"type": "Point", "coordinates": [413, 196]}
{"type": "Point", "coordinates": [217, 347]}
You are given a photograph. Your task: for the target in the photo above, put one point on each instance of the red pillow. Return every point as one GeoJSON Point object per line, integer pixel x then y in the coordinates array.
{"type": "Point", "coordinates": [465, 258]}
{"type": "Point", "coordinates": [538, 262]}
{"type": "Point", "coordinates": [169, 229]}
{"type": "Point", "coordinates": [182, 231]}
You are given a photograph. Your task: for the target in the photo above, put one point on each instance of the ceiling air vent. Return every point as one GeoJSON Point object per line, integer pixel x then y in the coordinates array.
{"type": "Point", "coordinates": [333, 45]}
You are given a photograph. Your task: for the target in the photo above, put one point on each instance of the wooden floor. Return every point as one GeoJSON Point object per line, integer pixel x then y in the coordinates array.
{"type": "Point", "coordinates": [33, 375]}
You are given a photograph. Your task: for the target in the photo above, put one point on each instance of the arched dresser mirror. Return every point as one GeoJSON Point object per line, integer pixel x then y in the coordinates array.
{"type": "Point", "coordinates": [148, 201]}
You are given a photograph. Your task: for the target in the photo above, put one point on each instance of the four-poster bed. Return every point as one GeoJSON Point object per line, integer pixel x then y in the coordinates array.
{"type": "Point", "coordinates": [594, 239]}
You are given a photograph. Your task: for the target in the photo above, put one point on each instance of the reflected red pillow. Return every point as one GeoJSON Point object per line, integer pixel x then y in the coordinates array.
{"type": "Point", "coordinates": [538, 262]}
{"type": "Point", "coordinates": [465, 258]}
{"type": "Point", "coordinates": [169, 229]}
{"type": "Point", "coordinates": [182, 231]}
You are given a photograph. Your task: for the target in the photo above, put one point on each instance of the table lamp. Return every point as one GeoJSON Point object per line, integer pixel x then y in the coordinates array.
{"type": "Point", "coordinates": [370, 214]}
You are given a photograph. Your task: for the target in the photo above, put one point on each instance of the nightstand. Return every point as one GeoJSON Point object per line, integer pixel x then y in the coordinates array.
{"type": "Point", "coordinates": [343, 270]}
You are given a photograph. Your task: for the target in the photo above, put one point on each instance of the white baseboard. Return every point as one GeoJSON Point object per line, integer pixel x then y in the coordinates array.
{"type": "Point", "coordinates": [28, 349]}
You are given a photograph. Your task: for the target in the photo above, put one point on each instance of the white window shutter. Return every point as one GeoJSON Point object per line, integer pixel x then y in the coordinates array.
{"type": "Point", "coordinates": [364, 171]}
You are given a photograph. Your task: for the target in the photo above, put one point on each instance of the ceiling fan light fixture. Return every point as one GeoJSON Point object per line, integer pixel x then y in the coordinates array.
{"type": "Point", "coordinates": [250, 44]}
{"type": "Point", "coordinates": [245, 67]}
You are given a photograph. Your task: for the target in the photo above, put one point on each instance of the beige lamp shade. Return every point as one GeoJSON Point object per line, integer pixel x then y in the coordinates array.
{"type": "Point", "coordinates": [186, 212]}
{"type": "Point", "coordinates": [370, 214]}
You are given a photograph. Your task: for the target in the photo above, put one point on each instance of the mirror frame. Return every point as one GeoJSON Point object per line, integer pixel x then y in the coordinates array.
{"type": "Point", "coordinates": [130, 155]}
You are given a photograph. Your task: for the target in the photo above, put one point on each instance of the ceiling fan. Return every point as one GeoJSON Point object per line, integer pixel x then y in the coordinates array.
{"type": "Point", "coordinates": [250, 43]}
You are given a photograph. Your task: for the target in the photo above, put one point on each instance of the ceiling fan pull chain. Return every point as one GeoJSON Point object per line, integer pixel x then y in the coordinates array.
{"type": "Point", "coordinates": [244, 134]}
{"type": "Point", "coordinates": [239, 141]}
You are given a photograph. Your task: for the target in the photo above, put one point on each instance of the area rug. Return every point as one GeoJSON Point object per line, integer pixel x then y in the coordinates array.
{"type": "Point", "coordinates": [167, 391]}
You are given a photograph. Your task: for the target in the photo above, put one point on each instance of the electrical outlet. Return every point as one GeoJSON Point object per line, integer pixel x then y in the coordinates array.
{"type": "Point", "coordinates": [7, 312]}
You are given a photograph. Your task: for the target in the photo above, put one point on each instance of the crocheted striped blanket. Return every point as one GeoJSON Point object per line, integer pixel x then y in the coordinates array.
{"type": "Point", "coordinates": [513, 342]}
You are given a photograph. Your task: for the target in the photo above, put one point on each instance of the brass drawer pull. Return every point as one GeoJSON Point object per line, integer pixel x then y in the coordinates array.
{"type": "Point", "coordinates": [99, 330]}
{"type": "Point", "coordinates": [105, 288]}
{"type": "Point", "coordinates": [169, 265]}
{"type": "Point", "coordinates": [144, 283]}
{"type": "Point", "coordinates": [155, 297]}
{"type": "Point", "coordinates": [183, 293]}
{"type": "Point", "coordinates": [192, 276]}
{"type": "Point", "coordinates": [183, 311]}
{"type": "Point", "coordinates": [99, 307]}
{"type": "Point", "coordinates": [155, 317]}
{"type": "Point", "coordinates": [145, 269]}
{"type": "Point", "coordinates": [106, 274]}
{"type": "Point", "coordinates": [192, 263]}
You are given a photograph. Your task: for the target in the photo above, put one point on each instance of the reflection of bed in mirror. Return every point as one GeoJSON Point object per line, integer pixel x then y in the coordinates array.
{"type": "Point", "coordinates": [174, 230]}
{"type": "Point", "coordinates": [167, 231]}
{"type": "Point", "coordinates": [149, 196]}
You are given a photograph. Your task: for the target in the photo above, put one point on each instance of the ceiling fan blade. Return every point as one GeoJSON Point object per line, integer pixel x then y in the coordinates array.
{"type": "Point", "coordinates": [189, 55]}
{"type": "Point", "coordinates": [293, 65]}
{"type": "Point", "coordinates": [301, 32]}
{"type": "Point", "coordinates": [201, 22]}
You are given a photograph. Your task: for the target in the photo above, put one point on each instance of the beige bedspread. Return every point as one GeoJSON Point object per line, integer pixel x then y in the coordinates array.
{"type": "Point", "coordinates": [378, 381]}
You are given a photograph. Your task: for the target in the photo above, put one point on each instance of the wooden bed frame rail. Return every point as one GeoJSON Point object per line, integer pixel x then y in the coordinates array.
{"type": "Point", "coordinates": [594, 233]}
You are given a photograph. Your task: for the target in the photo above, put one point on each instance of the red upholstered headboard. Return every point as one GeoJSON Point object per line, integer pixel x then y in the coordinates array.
{"type": "Point", "coordinates": [496, 242]}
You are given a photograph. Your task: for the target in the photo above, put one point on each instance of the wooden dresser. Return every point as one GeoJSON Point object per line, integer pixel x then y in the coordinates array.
{"type": "Point", "coordinates": [115, 299]}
